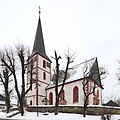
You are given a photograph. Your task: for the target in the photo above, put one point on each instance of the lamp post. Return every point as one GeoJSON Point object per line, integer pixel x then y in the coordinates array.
{"type": "Point", "coordinates": [37, 111]}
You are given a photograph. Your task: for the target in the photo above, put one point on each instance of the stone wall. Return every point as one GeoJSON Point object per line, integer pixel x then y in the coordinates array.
{"type": "Point", "coordinates": [91, 110]}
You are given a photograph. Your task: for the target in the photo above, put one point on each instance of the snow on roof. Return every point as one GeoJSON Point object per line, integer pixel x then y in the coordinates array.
{"type": "Point", "coordinates": [77, 71]}
{"type": "Point", "coordinates": [84, 69]}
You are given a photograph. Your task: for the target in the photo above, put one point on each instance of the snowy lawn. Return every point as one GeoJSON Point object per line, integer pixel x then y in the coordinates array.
{"type": "Point", "coordinates": [60, 116]}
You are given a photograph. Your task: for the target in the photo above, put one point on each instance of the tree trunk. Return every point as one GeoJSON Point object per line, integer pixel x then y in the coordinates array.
{"type": "Point", "coordinates": [56, 105]}
{"type": "Point", "coordinates": [57, 94]}
{"type": "Point", "coordinates": [7, 106]}
{"type": "Point", "coordinates": [84, 110]}
{"type": "Point", "coordinates": [85, 106]}
{"type": "Point", "coordinates": [21, 107]}
{"type": "Point", "coordinates": [7, 101]}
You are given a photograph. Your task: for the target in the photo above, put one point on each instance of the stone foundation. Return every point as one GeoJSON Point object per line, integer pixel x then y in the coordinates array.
{"type": "Point", "coordinates": [91, 110]}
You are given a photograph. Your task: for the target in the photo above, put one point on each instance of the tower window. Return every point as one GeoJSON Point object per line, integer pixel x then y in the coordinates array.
{"type": "Point", "coordinates": [44, 63]}
{"type": "Point", "coordinates": [44, 76]}
{"type": "Point", "coordinates": [48, 65]}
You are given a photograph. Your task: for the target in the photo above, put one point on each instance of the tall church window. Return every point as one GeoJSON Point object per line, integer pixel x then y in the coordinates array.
{"type": "Point", "coordinates": [62, 96]}
{"type": "Point", "coordinates": [31, 87]}
{"type": "Point", "coordinates": [75, 94]}
{"type": "Point", "coordinates": [44, 76]}
{"type": "Point", "coordinates": [51, 98]}
{"type": "Point", "coordinates": [96, 98]}
{"type": "Point", "coordinates": [97, 93]}
{"type": "Point", "coordinates": [44, 63]}
{"type": "Point", "coordinates": [97, 102]}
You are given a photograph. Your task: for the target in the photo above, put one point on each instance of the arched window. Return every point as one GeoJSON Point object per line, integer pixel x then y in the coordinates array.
{"type": "Point", "coordinates": [30, 102]}
{"type": "Point", "coordinates": [44, 63]}
{"type": "Point", "coordinates": [31, 87]}
{"type": "Point", "coordinates": [44, 76]}
{"type": "Point", "coordinates": [75, 94]}
{"type": "Point", "coordinates": [97, 93]}
{"type": "Point", "coordinates": [62, 96]}
{"type": "Point", "coordinates": [96, 98]}
{"type": "Point", "coordinates": [97, 102]}
{"type": "Point", "coordinates": [94, 101]}
{"type": "Point", "coordinates": [51, 98]}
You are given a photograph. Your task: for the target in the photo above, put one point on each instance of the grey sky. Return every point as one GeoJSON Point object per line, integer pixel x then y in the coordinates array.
{"type": "Point", "coordinates": [89, 27]}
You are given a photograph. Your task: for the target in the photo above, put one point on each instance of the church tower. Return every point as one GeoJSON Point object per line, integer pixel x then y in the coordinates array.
{"type": "Point", "coordinates": [41, 69]}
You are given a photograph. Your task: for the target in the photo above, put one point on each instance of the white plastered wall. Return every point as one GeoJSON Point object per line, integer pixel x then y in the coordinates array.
{"type": "Point", "coordinates": [42, 84]}
{"type": "Point", "coordinates": [68, 89]}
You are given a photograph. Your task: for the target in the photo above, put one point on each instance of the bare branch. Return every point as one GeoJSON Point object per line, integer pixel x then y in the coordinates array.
{"type": "Point", "coordinates": [93, 74]}
{"type": "Point", "coordinates": [70, 58]}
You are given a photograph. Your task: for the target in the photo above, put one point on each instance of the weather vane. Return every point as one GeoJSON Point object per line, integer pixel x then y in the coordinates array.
{"type": "Point", "coordinates": [39, 11]}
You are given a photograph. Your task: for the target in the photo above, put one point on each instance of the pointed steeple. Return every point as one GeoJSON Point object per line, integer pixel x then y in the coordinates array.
{"type": "Point", "coordinates": [39, 41]}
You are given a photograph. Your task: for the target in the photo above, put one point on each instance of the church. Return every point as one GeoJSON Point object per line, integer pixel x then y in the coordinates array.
{"type": "Point", "coordinates": [43, 87]}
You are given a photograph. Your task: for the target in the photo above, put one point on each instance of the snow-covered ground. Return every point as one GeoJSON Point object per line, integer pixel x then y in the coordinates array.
{"type": "Point", "coordinates": [60, 116]}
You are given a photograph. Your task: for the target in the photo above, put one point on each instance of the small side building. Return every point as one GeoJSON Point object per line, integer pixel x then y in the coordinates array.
{"type": "Point", "coordinates": [111, 103]}
{"type": "Point", "coordinates": [2, 103]}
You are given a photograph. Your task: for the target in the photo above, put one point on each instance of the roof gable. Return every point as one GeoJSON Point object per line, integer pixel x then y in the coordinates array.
{"type": "Point", "coordinates": [94, 73]}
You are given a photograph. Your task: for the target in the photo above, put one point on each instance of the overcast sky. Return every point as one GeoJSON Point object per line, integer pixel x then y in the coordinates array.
{"type": "Point", "coordinates": [89, 27]}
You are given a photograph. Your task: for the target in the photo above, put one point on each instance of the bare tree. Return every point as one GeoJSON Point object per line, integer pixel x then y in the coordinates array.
{"type": "Point", "coordinates": [117, 99]}
{"type": "Point", "coordinates": [91, 71]}
{"type": "Point", "coordinates": [11, 61]}
{"type": "Point", "coordinates": [118, 74]}
{"type": "Point", "coordinates": [70, 59]}
{"type": "Point", "coordinates": [5, 82]}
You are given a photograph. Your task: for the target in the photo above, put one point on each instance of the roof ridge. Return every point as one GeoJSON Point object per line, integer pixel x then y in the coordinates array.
{"type": "Point", "coordinates": [84, 62]}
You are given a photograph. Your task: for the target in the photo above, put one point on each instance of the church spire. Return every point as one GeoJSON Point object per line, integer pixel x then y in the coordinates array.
{"type": "Point", "coordinates": [39, 41]}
